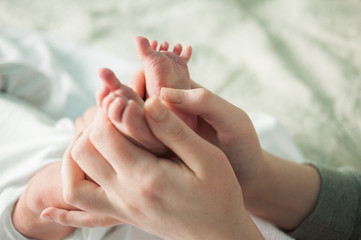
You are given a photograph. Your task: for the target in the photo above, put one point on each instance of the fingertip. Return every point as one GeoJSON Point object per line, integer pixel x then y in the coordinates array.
{"type": "Point", "coordinates": [172, 95]}
{"type": "Point", "coordinates": [46, 214]}
{"type": "Point", "coordinates": [157, 111]}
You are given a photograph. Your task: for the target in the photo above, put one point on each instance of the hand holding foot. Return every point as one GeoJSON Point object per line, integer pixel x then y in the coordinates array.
{"type": "Point", "coordinates": [165, 69]}
{"type": "Point", "coordinates": [125, 109]}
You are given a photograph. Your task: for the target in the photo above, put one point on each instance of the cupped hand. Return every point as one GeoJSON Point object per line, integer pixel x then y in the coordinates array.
{"type": "Point", "coordinates": [224, 125]}
{"type": "Point", "coordinates": [194, 197]}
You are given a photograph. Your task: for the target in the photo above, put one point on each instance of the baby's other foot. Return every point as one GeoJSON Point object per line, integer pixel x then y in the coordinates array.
{"type": "Point", "coordinates": [125, 109]}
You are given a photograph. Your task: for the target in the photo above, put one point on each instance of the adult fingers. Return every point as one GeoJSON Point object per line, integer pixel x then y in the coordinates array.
{"type": "Point", "coordinates": [134, 125]}
{"type": "Point", "coordinates": [118, 151]}
{"type": "Point", "coordinates": [82, 156]}
{"type": "Point", "coordinates": [219, 113]}
{"type": "Point", "coordinates": [194, 151]}
{"type": "Point", "coordinates": [76, 187]}
{"type": "Point", "coordinates": [78, 218]}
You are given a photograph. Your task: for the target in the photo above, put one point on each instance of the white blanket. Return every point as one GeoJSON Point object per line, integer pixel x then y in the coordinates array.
{"type": "Point", "coordinates": [44, 85]}
{"type": "Point", "coordinates": [297, 60]}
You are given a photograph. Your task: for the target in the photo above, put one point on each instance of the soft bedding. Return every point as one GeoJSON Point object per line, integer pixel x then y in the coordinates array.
{"type": "Point", "coordinates": [44, 87]}
{"type": "Point", "coordinates": [298, 61]}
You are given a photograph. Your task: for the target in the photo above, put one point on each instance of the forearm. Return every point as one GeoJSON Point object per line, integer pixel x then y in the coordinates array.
{"type": "Point", "coordinates": [284, 193]}
{"type": "Point", "coordinates": [26, 214]}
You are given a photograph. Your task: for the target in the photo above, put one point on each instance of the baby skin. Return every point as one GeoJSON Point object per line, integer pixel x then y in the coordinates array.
{"type": "Point", "coordinates": [125, 107]}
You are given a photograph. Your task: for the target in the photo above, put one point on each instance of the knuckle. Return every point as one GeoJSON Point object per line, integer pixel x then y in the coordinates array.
{"type": "Point", "coordinates": [220, 155]}
{"type": "Point", "coordinates": [177, 133]}
{"type": "Point", "coordinates": [220, 158]}
{"type": "Point", "coordinates": [78, 148]}
{"type": "Point", "coordinates": [151, 187]}
{"type": "Point", "coordinates": [203, 95]}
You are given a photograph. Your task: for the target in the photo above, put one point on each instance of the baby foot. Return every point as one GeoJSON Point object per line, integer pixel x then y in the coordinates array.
{"type": "Point", "coordinates": [125, 109]}
{"type": "Point", "coordinates": [165, 69]}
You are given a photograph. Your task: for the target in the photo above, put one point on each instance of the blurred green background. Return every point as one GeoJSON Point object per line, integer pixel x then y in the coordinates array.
{"type": "Point", "coordinates": [297, 60]}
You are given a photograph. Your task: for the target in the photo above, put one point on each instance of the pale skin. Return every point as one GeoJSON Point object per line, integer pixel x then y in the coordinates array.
{"type": "Point", "coordinates": [281, 195]}
{"type": "Point", "coordinates": [130, 122]}
{"type": "Point", "coordinates": [40, 194]}
{"type": "Point", "coordinates": [162, 68]}
{"type": "Point", "coordinates": [153, 202]}
{"type": "Point", "coordinates": [261, 175]}
{"type": "Point", "coordinates": [273, 188]}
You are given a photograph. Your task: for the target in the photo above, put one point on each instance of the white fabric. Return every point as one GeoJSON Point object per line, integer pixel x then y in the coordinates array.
{"type": "Point", "coordinates": [40, 82]}
{"type": "Point", "coordinates": [297, 60]}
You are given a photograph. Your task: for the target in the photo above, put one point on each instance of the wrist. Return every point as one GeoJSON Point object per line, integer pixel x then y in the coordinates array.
{"type": "Point", "coordinates": [242, 229]}
{"type": "Point", "coordinates": [254, 189]}
{"type": "Point", "coordinates": [284, 193]}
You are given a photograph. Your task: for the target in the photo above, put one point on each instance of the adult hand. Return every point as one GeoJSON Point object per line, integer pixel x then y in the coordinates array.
{"type": "Point", "coordinates": [44, 190]}
{"type": "Point", "coordinates": [49, 200]}
{"type": "Point", "coordinates": [278, 190]}
{"type": "Point", "coordinates": [86, 119]}
{"type": "Point", "coordinates": [194, 197]}
{"type": "Point", "coordinates": [224, 125]}
{"type": "Point", "coordinates": [220, 123]}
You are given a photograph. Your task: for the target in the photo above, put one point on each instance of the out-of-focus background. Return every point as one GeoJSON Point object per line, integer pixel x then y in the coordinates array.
{"type": "Point", "coordinates": [299, 61]}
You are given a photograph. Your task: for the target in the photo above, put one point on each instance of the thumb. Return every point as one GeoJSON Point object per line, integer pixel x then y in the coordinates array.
{"type": "Point", "coordinates": [219, 113]}
{"type": "Point", "coordinates": [194, 151]}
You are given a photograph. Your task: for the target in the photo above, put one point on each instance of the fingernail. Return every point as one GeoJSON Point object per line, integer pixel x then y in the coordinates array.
{"type": "Point", "coordinates": [46, 216]}
{"type": "Point", "coordinates": [156, 109]}
{"type": "Point", "coordinates": [175, 96]}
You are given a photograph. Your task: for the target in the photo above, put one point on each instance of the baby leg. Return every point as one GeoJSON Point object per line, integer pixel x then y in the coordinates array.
{"type": "Point", "coordinates": [125, 109]}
